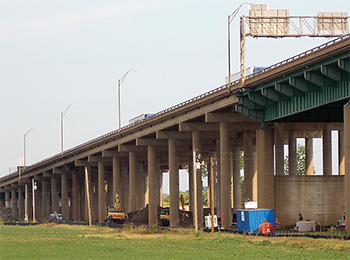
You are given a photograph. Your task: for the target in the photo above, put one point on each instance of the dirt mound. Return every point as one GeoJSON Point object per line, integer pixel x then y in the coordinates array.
{"type": "Point", "coordinates": [5, 214]}
{"type": "Point", "coordinates": [140, 217]}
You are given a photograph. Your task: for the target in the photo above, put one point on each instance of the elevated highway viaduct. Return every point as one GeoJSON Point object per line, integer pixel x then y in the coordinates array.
{"type": "Point", "coordinates": [306, 96]}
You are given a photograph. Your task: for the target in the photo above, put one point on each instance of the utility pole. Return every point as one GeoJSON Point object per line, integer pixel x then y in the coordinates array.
{"type": "Point", "coordinates": [212, 194]}
{"type": "Point", "coordinates": [195, 191]}
{"type": "Point", "coordinates": [25, 203]}
{"type": "Point", "coordinates": [33, 189]}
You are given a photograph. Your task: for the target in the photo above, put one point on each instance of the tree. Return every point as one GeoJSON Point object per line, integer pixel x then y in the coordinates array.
{"type": "Point", "coordinates": [301, 161]}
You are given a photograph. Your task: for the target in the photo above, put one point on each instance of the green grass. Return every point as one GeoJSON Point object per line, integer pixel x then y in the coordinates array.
{"type": "Point", "coordinates": [52, 241]}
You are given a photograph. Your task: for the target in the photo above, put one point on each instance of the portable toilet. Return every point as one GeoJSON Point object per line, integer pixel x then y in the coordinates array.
{"type": "Point", "coordinates": [248, 220]}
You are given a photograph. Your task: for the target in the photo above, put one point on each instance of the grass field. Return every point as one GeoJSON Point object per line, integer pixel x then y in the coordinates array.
{"type": "Point", "coordinates": [51, 241]}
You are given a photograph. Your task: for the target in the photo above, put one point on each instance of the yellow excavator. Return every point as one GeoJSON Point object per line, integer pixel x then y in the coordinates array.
{"type": "Point", "coordinates": [165, 213]}
{"type": "Point", "coordinates": [114, 214]}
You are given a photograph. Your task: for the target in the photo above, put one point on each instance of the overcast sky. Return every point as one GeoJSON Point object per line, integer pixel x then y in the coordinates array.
{"type": "Point", "coordinates": [61, 52]}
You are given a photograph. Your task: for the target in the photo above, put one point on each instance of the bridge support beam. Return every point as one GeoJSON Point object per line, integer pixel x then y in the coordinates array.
{"type": "Point", "coordinates": [265, 176]}
{"type": "Point", "coordinates": [45, 202]}
{"type": "Point", "coordinates": [309, 156]}
{"type": "Point", "coordinates": [347, 162]}
{"type": "Point", "coordinates": [54, 194]}
{"type": "Point", "coordinates": [341, 152]}
{"type": "Point", "coordinates": [116, 178]}
{"type": "Point", "coordinates": [237, 192]}
{"type": "Point", "coordinates": [64, 196]}
{"type": "Point", "coordinates": [132, 181]}
{"type": "Point", "coordinates": [21, 203]}
{"type": "Point", "coordinates": [152, 182]}
{"type": "Point", "coordinates": [327, 150]}
{"type": "Point", "coordinates": [14, 210]}
{"type": "Point", "coordinates": [174, 183]}
{"type": "Point", "coordinates": [292, 154]}
{"type": "Point", "coordinates": [279, 149]}
{"type": "Point", "coordinates": [101, 193]}
{"type": "Point", "coordinates": [76, 195]}
{"type": "Point", "coordinates": [225, 175]}
{"type": "Point", "coordinates": [7, 196]}
{"type": "Point", "coordinates": [249, 163]}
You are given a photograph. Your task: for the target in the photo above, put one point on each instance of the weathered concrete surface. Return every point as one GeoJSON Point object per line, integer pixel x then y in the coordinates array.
{"type": "Point", "coordinates": [319, 198]}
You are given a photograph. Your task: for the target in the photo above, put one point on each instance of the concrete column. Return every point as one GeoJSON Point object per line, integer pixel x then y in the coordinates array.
{"type": "Point", "coordinates": [292, 156]}
{"type": "Point", "coordinates": [7, 197]}
{"type": "Point", "coordinates": [117, 178]}
{"type": "Point", "coordinates": [174, 184]}
{"type": "Point", "coordinates": [309, 156]}
{"type": "Point", "coordinates": [94, 193]}
{"type": "Point", "coordinates": [249, 163]}
{"type": "Point", "coordinates": [237, 192]}
{"type": "Point", "coordinates": [76, 192]}
{"type": "Point", "coordinates": [21, 203]}
{"type": "Point", "coordinates": [347, 162]}
{"type": "Point", "coordinates": [327, 150]}
{"type": "Point", "coordinates": [279, 149]}
{"type": "Point", "coordinates": [54, 194]}
{"type": "Point", "coordinates": [265, 176]}
{"type": "Point", "coordinates": [152, 181]}
{"type": "Point", "coordinates": [217, 183]}
{"type": "Point", "coordinates": [132, 182]}
{"type": "Point", "coordinates": [196, 144]}
{"type": "Point", "coordinates": [44, 199]}
{"type": "Point", "coordinates": [225, 173]}
{"type": "Point", "coordinates": [341, 152]}
{"type": "Point", "coordinates": [101, 193]}
{"type": "Point", "coordinates": [125, 183]}
{"type": "Point", "coordinates": [14, 211]}
{"type": "Point", "coordinates": [64, 194]}
{"type": "Point", "coordinates": [140, 186]}
{"type": "Point", "coordinates": [159, 179]}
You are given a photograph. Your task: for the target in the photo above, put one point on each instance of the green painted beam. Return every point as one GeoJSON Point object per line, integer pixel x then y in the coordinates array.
{"type": "Point", "coordinates": [288, 90]}
{"type": "Point", "coordinates": [274, 95]}
{"type": "Point", "coordinates": [319, 79]}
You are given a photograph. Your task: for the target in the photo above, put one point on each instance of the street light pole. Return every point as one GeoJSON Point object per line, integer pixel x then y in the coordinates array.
{"type": "Point", "coordinates": [120, 81]}
{"type": "Point", "coordinates": [229, 21]}
{"type": "Point", "coordinates": [62, 115]}
{"type": "Point", "coordinates": [24, 150]}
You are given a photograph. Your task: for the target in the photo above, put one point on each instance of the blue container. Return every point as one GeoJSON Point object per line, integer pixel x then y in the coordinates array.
{"type": "Point", "coordinates": [248, 220]}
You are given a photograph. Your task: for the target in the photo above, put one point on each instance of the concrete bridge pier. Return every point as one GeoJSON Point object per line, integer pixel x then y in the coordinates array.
{"type": "Point", "coordinates": [101, 193]}
{"type": "Point", "coordinates": [45, 201]}
{"type": "Point", "coordinates": [54, 194]}
{"type": "Point", "coordinates": [21, 202]}
{"type": "Point", "coordinates": [76, 196]}
{"type": "Point", "coordinates": [64, 196]}
{"type": "Point", "coordinates": [7, 196]}
{"type": "Point", "coordinates": [292, 153]}
{"type": "Point", "coordinates": [249, 163]}
{"type": "Point", "coordinates": [265, 174]}
{"type": "Point", "coordinates": [132, 181]}
{"type": "Point", "coordinates": [236, 177]}
{"type": "Point", "coordinates": [279, 148]}
{"type": "Point", "coordinates": [174, 183]}
{"type": "Point", "coordinates": [152, 174]}
{"type": "Point", "coordinates": [225, 175]}
{"type": "Point", "coordinates": [341, 151]}
{"type": "Point", "coordinates": [116, 178]}
{"type": "Point", "coordinates": [347, 162]}
{"type": "Point", "coordinates": [327, 149]}
{"type": "Point", "coordinates": [14, 210]}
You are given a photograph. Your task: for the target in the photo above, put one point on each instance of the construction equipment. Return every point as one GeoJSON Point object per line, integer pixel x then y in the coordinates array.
{"type": "Point", "coordinates": [56, 217]}
{"type": "Point", "coordinates": [114, 213]}
{"type": "Point", "coordinates": [165, 217]}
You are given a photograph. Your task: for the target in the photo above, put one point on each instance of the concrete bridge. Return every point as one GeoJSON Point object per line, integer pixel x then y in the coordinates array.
{"type": "Point", "coordinates": [306, 96]}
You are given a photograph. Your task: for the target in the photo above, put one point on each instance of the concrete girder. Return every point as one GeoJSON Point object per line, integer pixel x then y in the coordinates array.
{"type": "Point", "coordinates": [84, 163]}
{"type": "Point", "coordinates": [173, 135]}
{"type": "Point", "coordinates": [47, 174]}
{"type": "Point", "coordinates": [226, 117]}
{"type": "Point", "coordinates": [318, 79]}
{"type": "Point", "coordinates": [307, 126]}
{"type": "Point", "coordinates": [288, 90]}
{"type": "Point", "coordinates": [98, 158]}
{"type": "Point", "coordinates": [151, 141]}
{"type": "Point", "coordinates": [131, 148]}
{"type": "Point", "coordinates": [24, 181]}
{"type": "Point", "coordinates": [307, 84]}
{"type": "Point", "coordinates": [200, 126]}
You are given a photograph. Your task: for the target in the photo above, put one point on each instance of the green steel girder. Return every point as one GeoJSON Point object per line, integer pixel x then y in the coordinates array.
{"type": "Point", "coordinates": [288, 90]}
{"type": "Point", "coordinates": [274, 95]}
{"type": "Point", "coordinates": [257, 115]}
{"type": "Point", "coordinates": [303, 84]}
{"type": "Point", "coordinates": [344, 64]}
{"type": "Point", "coordinates": [258, 98]}
{"type": "Point", "coordinates": [319, 79]}
{"type": "Point", "coordinates": [298, 91]}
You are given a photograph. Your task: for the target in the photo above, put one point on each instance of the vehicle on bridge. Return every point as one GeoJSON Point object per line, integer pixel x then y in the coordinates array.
{"type": "Point", "coordinates": [140, 118]}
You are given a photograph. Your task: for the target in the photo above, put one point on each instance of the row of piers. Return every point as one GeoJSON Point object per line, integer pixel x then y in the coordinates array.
{"type": "Point", "coordinates": [134, 170]}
